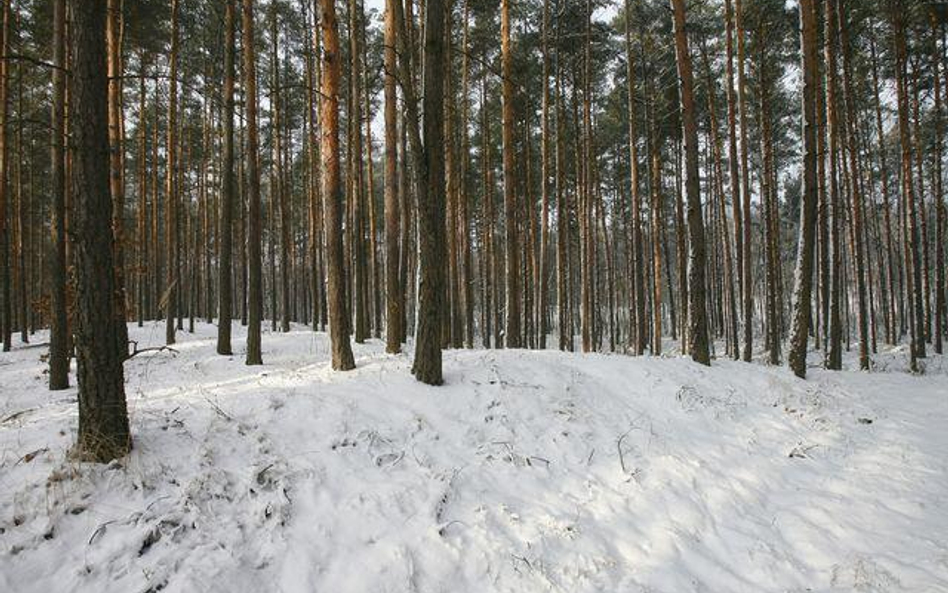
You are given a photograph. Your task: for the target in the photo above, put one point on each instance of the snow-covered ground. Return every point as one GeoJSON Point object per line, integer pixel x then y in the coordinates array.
{"type": "Point", "coordinates": [527, 471]}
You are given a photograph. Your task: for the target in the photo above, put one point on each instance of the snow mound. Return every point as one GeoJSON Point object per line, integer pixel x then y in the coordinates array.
{"type": "Point", "coordinates": [527, 471]}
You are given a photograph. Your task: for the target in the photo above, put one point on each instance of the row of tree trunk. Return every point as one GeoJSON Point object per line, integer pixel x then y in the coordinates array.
{"type": "Point", "coordinates": [621, 248]}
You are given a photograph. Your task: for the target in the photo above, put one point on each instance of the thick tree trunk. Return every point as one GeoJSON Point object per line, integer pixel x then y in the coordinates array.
{"type": "Point", "coordinates": [431, 205]}
{"type": "Point", "coordinates": [342, 359]}
{"type": "Point", "coordinates": [697, 313]}
{"type": "Point", "coordinates": [803, 273]}
{"type": "Point", "coordinates": [103, 419]}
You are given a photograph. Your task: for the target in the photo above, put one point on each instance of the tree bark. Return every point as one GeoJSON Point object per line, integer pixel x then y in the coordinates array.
{"type": "Point", "coordinates": [59, 325]}
{"type": "Point", "coordinates": [511, 238]}
{"type": "Point", "coordinates": [225, 261]}
{"type": "Point", "coordinates": [103, 419]}
{"type": "Point", "coordinates": [342, 359]}
{"type": "Point", "coordinates": [431, 204]}
{"type": "Point", "coordinates": [254, 239]}
{"type": "Point", "coordinates": [393, 294]}
{"type": "Point", "coordinates": [697, 313]}
{"type": "Point", "coordinates": [803, 272]}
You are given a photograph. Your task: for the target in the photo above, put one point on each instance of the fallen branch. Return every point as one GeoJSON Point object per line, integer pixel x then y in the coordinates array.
{"type": "Point", "coordinates": [136, 350]}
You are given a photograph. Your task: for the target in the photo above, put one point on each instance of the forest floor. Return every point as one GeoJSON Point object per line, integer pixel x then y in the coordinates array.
{"type": "Point", "coordinates": [527, 471]}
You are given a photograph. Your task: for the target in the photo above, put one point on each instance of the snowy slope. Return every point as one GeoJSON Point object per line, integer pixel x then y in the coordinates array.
{"type": "Point", "coordinates": [528, 471]}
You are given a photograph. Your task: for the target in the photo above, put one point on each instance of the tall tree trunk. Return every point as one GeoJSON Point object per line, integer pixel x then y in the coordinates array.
{"type": "Point", "coordinates": [103, 419]}
{"type": "Point", "coordinates": [464, 206]}
{"type": "Point", "coordinates": [143, 243]}
{"type": "Point", "coordinates": [939, 197]}
{"type": "Point", "coordinates": [697, 313]}
{"type": "Point", "coordinates": [746, 280]}
{"type": "Point", "coordinates": [891, 330]}
{"type": "Point", "coordinates": [639, 337]}
{"type": "Point", "coordinates": [171, 186]}
{"type": "Point", "coordinates": [342, 358]}
{"type": "Point", "coordinates": [224, 264]}
{"type": "Point", "coordinates": [511, 239]}
{"type": "Point", "coordinates": [113, 35]}
{"type": "Point", "coordinates": [543, 289]}
{"type": "Point", "coordinates": [277, 189]}
{"type": "Point", "coordinates": [59, 329]}
{"type": "Point", "coordinates": [394, 298]}
{"type": "Point", "coordinates": [562, 211]}
{"type": "Point", "coordinates": [733, 164]}
{"type": "Point", "coordinates": [856, 209]}
{"type": "Point", "coordinates": [6, 224]}
{"type": "Point", "coordinates": [803, 273]}
{"type": "Point", "coordinates": [431, 205]}
{"type": "Point", "coordinates": [357, 198]}
{"type": "Point", "coordinates": [910, 236]}
{"type": "Point", "coordinates": [834, 323]}
{"type": "Point", "coordinates": [254, 238]}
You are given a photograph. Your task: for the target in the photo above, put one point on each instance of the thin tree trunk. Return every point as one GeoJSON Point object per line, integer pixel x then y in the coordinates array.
{"type": "Point", "coordinates": [6, 263]}
{"type": "Point", "coordinates": [394, 298]}
{"type": "Point", "coordinates": [59, 330]}
{"type": "Point", "coordinates": [171, 186]}
{"type": "Point", "coordinates": [746, 280]}
{"type": "Point", "coordinates": [254, 238]}
{"type": "Point", "coordinates": [511, 239]}
{"type": "Point", "coordinates": [224, 264]}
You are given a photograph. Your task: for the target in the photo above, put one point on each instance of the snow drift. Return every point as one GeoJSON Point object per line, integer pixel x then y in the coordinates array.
{"type": "Point", "coordinates": [527, 471]}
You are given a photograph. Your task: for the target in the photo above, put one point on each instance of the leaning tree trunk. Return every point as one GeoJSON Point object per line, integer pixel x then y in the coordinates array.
{"type": "Point", "coordinates": [103, 419]}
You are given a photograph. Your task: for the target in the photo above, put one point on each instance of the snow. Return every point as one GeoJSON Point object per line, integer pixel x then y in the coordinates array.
{"type": "Point", "coordinates": [527, 471]}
